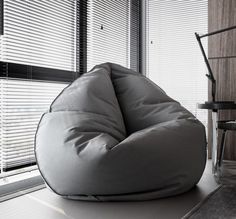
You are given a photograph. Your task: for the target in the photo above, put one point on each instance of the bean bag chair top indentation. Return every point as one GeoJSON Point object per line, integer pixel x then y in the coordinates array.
{"type": "Point", "coordinates": [115, 135]}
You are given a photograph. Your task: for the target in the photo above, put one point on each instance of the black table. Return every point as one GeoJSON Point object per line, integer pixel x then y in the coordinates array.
{"type": "Point", "coordinates": [218, 105]}
{"type": "Point", "coordinates": [224, 125]}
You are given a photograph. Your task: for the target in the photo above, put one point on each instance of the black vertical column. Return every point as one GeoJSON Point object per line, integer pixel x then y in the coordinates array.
{"type": "Point", "coordinates": [135, 35]}
{"type": "Point", "coordinates": [81, 38]}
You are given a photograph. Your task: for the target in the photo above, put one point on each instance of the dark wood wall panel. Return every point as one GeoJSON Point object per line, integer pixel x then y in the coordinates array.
{"type": "Point", "coordinates": [222, 14]}
{"type": "Point", "coordinates": [222, 56]}
{"type": "Point", "coordinates": [225, 74]}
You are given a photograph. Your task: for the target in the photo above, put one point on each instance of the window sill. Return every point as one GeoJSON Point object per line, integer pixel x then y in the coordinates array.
{"type": "Point", "coordinates": [21, 187]}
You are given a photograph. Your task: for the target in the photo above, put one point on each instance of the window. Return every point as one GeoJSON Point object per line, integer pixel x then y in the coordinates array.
{"type": "Point", "coordinates": [44, 47]}
{"type": "Point", "coordinates": [39, 43]}
{"type": "Point", "coordinates": [22, 103]}
{"type": "Point", "coordinates": [40, 33]}
{"type": "Point", "coordinates": [113, 32]}
{"type": "Point", "coordinates": [174, 61]}
{"type": "Point", "coordinates": [108, 32]}
{"type": "Point", "coordinates": [1, 17]}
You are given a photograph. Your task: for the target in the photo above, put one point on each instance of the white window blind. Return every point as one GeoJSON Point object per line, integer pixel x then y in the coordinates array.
{"type": "Point", "coordinates": [22, 103]}
{"type": "Point", "coordinates": [40, 33]}
{"type": "Point", "coordinates": [1, 17]}
{"type": "Point", "coordinates": [174, 61]}
{"type": "Point", "coordinates": [108, 34]}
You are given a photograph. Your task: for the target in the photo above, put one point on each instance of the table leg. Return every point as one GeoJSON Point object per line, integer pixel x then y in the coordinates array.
{"type": "Point", "coordinates": [214, 141]}
{"type": "Point", "coordinates": [222, 148]}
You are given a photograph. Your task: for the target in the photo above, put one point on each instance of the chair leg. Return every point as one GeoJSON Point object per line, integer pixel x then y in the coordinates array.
{"type": "Point", "coordinates": [222, 147]}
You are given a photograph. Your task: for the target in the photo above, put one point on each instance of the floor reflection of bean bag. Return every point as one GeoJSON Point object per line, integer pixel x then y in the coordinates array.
{"type": "Point", "coordinates": [115, 135]}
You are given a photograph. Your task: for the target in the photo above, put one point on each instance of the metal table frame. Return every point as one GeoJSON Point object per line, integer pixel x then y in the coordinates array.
{"type": "Point", "coordinates": [216, 124]}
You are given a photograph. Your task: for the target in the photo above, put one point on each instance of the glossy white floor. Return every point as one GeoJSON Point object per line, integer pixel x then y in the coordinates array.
{"type": "Point", "coordinates": [44, 204]}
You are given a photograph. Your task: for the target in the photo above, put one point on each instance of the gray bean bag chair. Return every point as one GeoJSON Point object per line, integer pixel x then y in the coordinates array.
{"type": "Point", "coordinates": [115, 135]}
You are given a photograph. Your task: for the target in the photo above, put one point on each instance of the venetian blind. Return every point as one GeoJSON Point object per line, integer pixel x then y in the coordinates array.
{"type": "Point", "coordinates": [37, 33]}
{"type": "Point", "coordinates": [174, 60]}
{"type": "Point", "coordinates": [22, 103]}
{"type": "Point", "coordinates": [1, 17]}
{"type": "Point", "coordinates": [111, 26]}
{"type": "Point", "coordinates": [40, 33]}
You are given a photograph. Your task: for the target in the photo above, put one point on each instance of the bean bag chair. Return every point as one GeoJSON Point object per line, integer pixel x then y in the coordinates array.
{"type": "Point", "coordinates": [115, 135]}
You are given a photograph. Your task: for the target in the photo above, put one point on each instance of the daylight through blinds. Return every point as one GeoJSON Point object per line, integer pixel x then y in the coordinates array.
{"type": "Point", "coordinates": [113, 33]}
{"type": "Point", "coordinates": [21, 106]}
{"type": "Point", "coordinates": [174, 60]}
{"type": "Point", "coordinates": [40, 33]}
